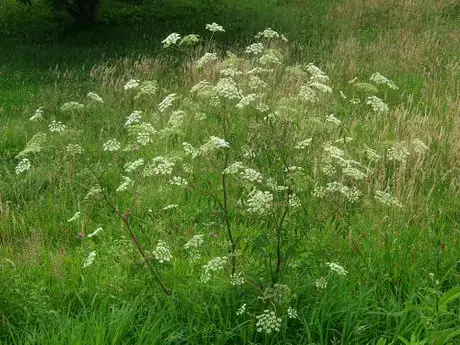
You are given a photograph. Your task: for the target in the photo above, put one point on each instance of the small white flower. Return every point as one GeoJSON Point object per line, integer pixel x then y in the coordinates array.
{"type": "Point", "coordinates": [387, 199]}
{"type": "Point", "coordinates": [170, 207]}
{"type": "Point", "coordinates": [237, 279]}
{"type": "Point", "coordinates": [72, 107]}
{"type": "Point", "coordinates": [131, 166]}
{"type": "Point", "coordinates": [95, 232]}
{"type": "Point", "coordinates": [89, 259]}
{"type": "Point", "coordinates": [292, 313]}
{"type": "Point", "coordinates": [160, 166]}
{"type": "Point", "coordinates": [171, 40]}
{"type": "Point", "coordinates": [331, 118]}
{"type": "Point", "coordinates": [213, 265]}
{"type": "Point", "coordinates": [178, 181]}
{"type": "Point", "coordinates": [377, 105]}
{"type": "Point", "coordinates": [227, 88]}
{"type": "Point", "coordinates": [206, 59]}
{"type": "Point", "coordinates": [259, 202]}
{"type": "Point", "coordinates": [95, 97]}
{"type": "Point", "coordinates": [74, 217]}
{"type": "Point", "coordinates": [246, 100]}
{"type": "Point", "coordinates": [38, 115]}
{"type": "Point", "coordinates": [233, 168]}
{"type": "Point", "coordinates": [127, 183]}
{"type": "Point", "coordinates": [74, 149]}
{"type": "Point", "coordinates": [419, 146]}
{"type": "Point", "coordinates": [268, 33]}
{"type": "Point", "coordinates": [380, 79]}
{"type": "Point", "coordinates": [56, 127]}
{"type": "Point", "coordinates": [303, 144]}
{"type": "Point", "coordinates": [167, 102]}
{"type": "Point", "coordinates": [214, 27]}
{"type": "Point", "coordinates": [255, 49]}
{"type": "Point", "coordinates": [241, 310]}
{"type": "Point", "coordinates": [321, 283]}
{"type": "Point", "coordinates": [162, 252]}
{"type": "Point", "coordinates": [268, 322]}
{"type": "Point", "coordinates": [131, 84]}
{"type": "Point", "coordinates": [251, 175]}
{"type": "Point", "coordinates": [334, 267]}
{"type": "Point", "coordinates": [398, 153]}
{"type": "Point", "coordinates": [22, 166]}
{"type": "Point", "coordinates": [134, 117]}
{"type": "Point", "coordinates": [111, 145]}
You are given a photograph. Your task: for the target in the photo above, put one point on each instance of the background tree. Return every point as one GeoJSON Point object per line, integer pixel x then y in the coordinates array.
{"type": "Point", "coordinates": [84, 11]}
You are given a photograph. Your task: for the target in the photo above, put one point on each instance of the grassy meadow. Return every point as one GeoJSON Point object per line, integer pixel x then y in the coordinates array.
{"type": "Point", "coordinates": [290, 175]}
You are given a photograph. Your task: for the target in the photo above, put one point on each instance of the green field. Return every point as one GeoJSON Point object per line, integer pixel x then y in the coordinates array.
{"type": "Point", "coordinates": [241, 185]}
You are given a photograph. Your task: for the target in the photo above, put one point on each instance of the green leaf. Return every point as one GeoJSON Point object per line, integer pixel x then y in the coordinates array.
{"type": "Point", "coordinates": [442, 337]}
{"type": "Point", "coordinates": [448, 296]}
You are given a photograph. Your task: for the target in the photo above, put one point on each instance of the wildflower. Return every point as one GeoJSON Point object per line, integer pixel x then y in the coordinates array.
{"type": "Point", "coordinates": [268, 322]}
{"type": "Point", "coordinates": [308, 94]}
{"type": "Point", "coordinates": [200, 116]}
{"type": "Point", "coordinates": [371, 154]}
{"type": "Point", "coordinates": [38, 115]}
{"type": "Point", "coordinates": [387, 199]}
{"type": "Point", "coordinates": [111, 145]}
{"type": "Point", "coordinates": [377, 105]}
{"type": "Point", "coordinates": [241, 310]}
{"type": "Point", "coordinates": [202, 85]}
{"type": "Point", "coordinates": [95, 232]}
{"type": "Point", "coordinates": [319, 192]}
{"type": "Point", "coordinates": [131, 166]}
{"type": "Point", "coordinates": [171, 40]}
{"type": "Point", "coordinates": [321, 283]}
{"type": "Point", "coordinates": [170, 207]}
{"type": "Point", "coordinates": [145, 131]}
{"type": "Point", "coordinates": [255, 49]}
{"type": "Point", "coordinates": [34, 145]}
{"type": "Point", "coordinates": [22, 166]}
{"type": "Point", "coordinates": [74, 217]}
{"type": "Point", "coordinates": [227, 88]}
{"type": "Point", "coordinates": [269, 58]}
{"type": "Point", "coordinates": [94, 192]}
{"type": "Point", "coordinates": [160, 166]}
{"type": "Point", "coordinates": [167, 102]}
{"type": "Point", "coordinates": [127, 183]}
{"type": "Point", "coordinates": [331, 118]}
{"type": "Point", "coordinates": [95, 97]}
{"type": "Point", "coordinates": [189, 40]}
{"type": "Point", "coordinates": [268, 33]}
{"type": "Point", "coordinates": [246, 100]}
{"type": "Point", "coordinates": [271, 184]}
{"type": "Point", "coordinates": [231, 72]}
{"type": "Point", "coordinates": [380, 79]}
{"type": "Point", "coordinates": [259, 202]}
{"type": "Point", "coordinates": [192, 246]}
{"type": "Point", "coordinates": [419, 146]}
{"type": "Point", "coordinates": [89, 259]}
{"type": "Point", "coordinates": [251, 175]}
{"type": "Point", "coordinates": [178, 181]}
{"type": "Point", "coordinates": [56, 127]}
{"type": "Point", "coordinates": [255, 83]}
{"type": "Point", "coordinates": [134, 117]}
{"type": "Point", "coordinates": [214, 27]}
{"type": "Point", "coordinates": [213, 265]}
{"type": "Point", "coordinates": [237, 279]}
{"type": "Point", "coordinates": [206, 59]}
{"type": "Point", "coordinates": [71, 107]}
{"type": "Point", "coordinates": [74, 149]}
{"type": "Point", "coordinates": [398, 153]}
{"type": "Point", "coordinates": [214, 143]}
{"type": "Point", "coordinates": [131, 84]}
{"type": "Point", "coordinates": [354, 173]}
{"type": "Point", "coordinates": [162, 252]}
{"type": "Point", "coordinates": [148, 87]}
{"type": "Point", "coordinates": [303, 144]}
{"type": "Point", "coordinates": [316, 74]}
{"type": "Point", "coordinates": [292, 313]}
{"type": "Point", "coordinates": [321, 87]}
{"type": "Point", "coordinates": [334, 267]}
{"type": "Point", "coordinates": [294, 201]}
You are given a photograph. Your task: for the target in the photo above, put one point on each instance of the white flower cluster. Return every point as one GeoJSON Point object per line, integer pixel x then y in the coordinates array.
{"type": "Point", "coordinates": [269, 58]}
{"type": "Point", "coordinates": [160, 166]}
{"type": "Point", "coordinates": [167, 102]}
{"type": "Point", "coordinates": [306, 93]}
{"type": "Point", "coordinates": [206, 59]}
{"type": "Point", "coordinates": [380, 79]}
{"type": "Point", "coordinates": [268, 33]}
{"type": "Point", "coordinates": [127, 183]}
{"type": "Point", "coordinates": [419, 146]}
{"type": "Point", "coordinates": [233, 168]}
{"type": "Point", "coordinates": [178, 181]}
{"type": "Point", "coordinates": [38, 115]}
{"type": "Point", "coordinates": [273, 185]}
{"type": "Point", "coordinates": [255, 83]}
{"type": "Point", "coordinates": [89, 259]}
{"type": "Point", "coordinates": [93, 193]}
{"type": "Point", "coordinates": [246, 100]}
{"type": "Point", "coordinates": [227, 88]}
{"type": "Point", "coordinates": [74, 149]}
{"type": "Point", "coordinates": [22, 166]}
{"type": "Point", "coordinates": [192, 247]}
{"type": "Point", "coordinates": [378, 106]}
{"type": "Point", "coordinates": [352, 194]}
{"type": "Point", "coordinates": [331, 118]}
{"type": "Point", "coordinates": [34, 145]}
{"type": "Point", "coordinates": [95, 232]}
{"type": "Point", "coordinates": [72, 106]}
{"type": "Point", "coordinates": [268, 322]}
{"type": "Point", "coordinates": [321, 283]}
{"type": "Point", "coordinates": [241, 310]}
{"type": "Point", "coordinates": [259, 202]}
{"type": "Point", "coordinates": [131, 166]}
{"type": "Point", "coordinates": [398, 153]}
{"type": "Point", "coordinates": [170, 207]}
{"type": "Point", "coordinates": [237, 279]}
{"type": "Point", "coordinates": [255, 49]}
{"type": "Point", "coordinates": [231, 72]}
{"type": "Point", "coordinates": [213, 265]}
{"type": "Point", "coordinates": [162, 252]}
{"type": "Point", "coordinates": [303, 144]}
{"type": "Point", "coordinates": [334, 267]}
{"type": "Point", "coordinates": [147, 88]}
{"type": "Point", "coordinates": [131, 84]}
{"type": "Point", "coordinates": [316, 74]}
{"type": "Point", "coordinates": [56, 127]}
{"type": "Point", "coordinates": [171, 40]}
{"type": "Point", "coordinates": [387, 199]}
{"type": "Point", "coordinates": [201, 86]}
{"type": "Point", "coordinates": [95, 97]}
{"type": "Point", "coordinates": [214, 27]}
{"type": "Point", "coordinates": [145, 132]}
{"type": "Point", "coordinates": [111, 145]}
{"type": "Point", "coordinates": [214, 143]}
{"type": "Point", "coordinates": [251, 175]}
{"type": "Point", "coordinates": [292, 313]}
{"type": "Point", "coordinates": [134, 117]}
{"type": "Point", "coordinates": [353, 173]}
{"type": "Point", "coordinates": [294, 201]}
{"type": "Point", "coordinates": [371, 154]}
